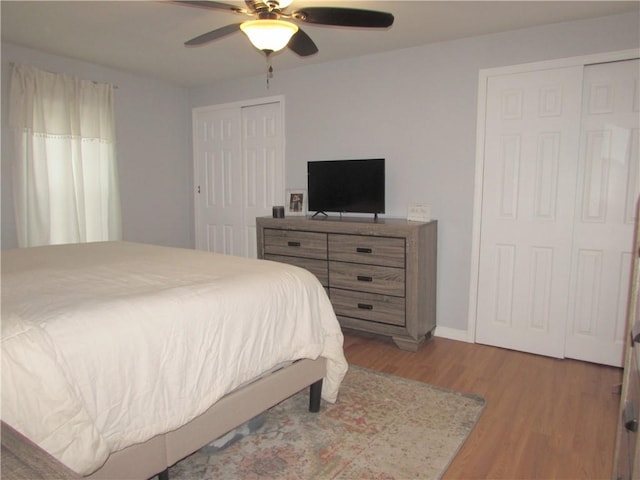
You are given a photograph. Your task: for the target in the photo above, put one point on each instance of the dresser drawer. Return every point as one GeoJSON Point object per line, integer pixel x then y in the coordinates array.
{"type": "Point", "coordinates": [367, 249]}
{"type": "Point", "coordinates": [367, 278]}
{"type": "Point", "coordinates": [295, 244]}
{"type": "Point", "coordinates": [368, 306]}
{"type": "Point", "coordinates": [317, 267]}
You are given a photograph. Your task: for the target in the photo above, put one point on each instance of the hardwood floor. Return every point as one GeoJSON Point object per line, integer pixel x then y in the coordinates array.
{"type": "Point", "coordinates": [545, 418]}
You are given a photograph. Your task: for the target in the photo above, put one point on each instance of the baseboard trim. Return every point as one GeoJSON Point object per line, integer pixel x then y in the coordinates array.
{"type": "Point", "coordinates": [453, 334]}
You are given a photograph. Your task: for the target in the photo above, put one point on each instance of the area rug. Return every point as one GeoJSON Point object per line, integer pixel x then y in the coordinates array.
{"type": "Point", "coordinates": [381, 427]}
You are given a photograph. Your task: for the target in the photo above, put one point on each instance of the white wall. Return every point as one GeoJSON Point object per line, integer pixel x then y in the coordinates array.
{"type": "Point", "coordinates": [417, 108]}
{"type": "Point", "coordinates": [153, 128]}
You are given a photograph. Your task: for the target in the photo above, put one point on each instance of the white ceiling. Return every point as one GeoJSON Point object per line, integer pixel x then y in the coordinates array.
{"type": "Point", "coordinates": [146, 37]}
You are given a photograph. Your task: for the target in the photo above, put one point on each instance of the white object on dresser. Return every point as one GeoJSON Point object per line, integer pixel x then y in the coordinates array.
{"type": "Point", "coordinates": [379, 274]}
{"type": "Point", "coordinates": [419, 212]}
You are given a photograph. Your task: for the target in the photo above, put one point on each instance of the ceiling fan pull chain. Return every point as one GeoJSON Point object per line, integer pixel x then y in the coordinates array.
{"type": "Point", "coordinates": [269, 70]}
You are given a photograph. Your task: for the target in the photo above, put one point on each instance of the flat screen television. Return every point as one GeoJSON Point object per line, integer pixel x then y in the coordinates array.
{"type": "Point", "coordinates": [346, 186]}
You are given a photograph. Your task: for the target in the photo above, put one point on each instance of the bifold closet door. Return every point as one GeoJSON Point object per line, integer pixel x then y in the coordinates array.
{"type": "Point", "coordinates": [560, 179]}
{"type": "Point", "coordinates": [238, 174]}
{"type": "Point", "coordinates": [528, 194]}
{"type": "Point", "coordinates": [608, 185]}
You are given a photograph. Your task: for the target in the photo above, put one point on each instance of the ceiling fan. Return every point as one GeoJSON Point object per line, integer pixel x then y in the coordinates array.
{"type": "Point", "coordinates": [272, 27]}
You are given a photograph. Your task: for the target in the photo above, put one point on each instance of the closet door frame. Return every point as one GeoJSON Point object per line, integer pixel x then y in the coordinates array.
{"type": "Point", "coordinates": [484, 76]}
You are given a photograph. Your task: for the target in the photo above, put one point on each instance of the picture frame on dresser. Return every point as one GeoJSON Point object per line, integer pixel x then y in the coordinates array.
{"type": "Point", "coordinates": [296, 202]}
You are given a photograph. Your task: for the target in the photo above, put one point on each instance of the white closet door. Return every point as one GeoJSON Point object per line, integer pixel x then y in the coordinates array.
{"type": "Point", "coordinates": [239, 174]}
{"type": "Point", "coordinates": [608, 185]}
{"type": "Point", "coordinates": [262, 153]}
{"type": "Point", "coordinates": [528, 194]}
{"type": "Point", "coordinates": [218, 178]}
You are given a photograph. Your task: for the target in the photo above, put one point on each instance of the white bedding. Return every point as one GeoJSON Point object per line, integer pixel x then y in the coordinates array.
{"type": "Point", "coordinates": [105, 345]}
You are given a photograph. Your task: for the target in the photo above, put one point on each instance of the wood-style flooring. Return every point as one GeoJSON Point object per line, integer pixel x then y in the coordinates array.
{"type": "Point", "coordinates": [545, 418]}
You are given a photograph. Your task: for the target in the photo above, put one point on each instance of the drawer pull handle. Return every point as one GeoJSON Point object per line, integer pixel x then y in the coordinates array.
{"type": "Point", "coordinates": [630, 418]}
{"type": "Point", "coordinates": [293, 244]}
{"type": "Point", "coordinates": [363, 250]}
{"type": "Point", "coordinates": [631, 425]}
{"type": "Point", "coordinates": [635, 333]}
{"type": "Point", "coordinates": [365, 306]}
{"type": "Point", "coordinates": [362, 278]}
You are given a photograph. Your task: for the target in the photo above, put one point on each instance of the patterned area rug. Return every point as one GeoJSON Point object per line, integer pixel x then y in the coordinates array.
{"type": "Point", "coordinates": [381, 427]}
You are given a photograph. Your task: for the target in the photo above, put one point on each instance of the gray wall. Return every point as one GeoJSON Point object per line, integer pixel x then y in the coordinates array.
{"type": "Point", "coordinates": [153, 128]}
{"type": "Point", "coordinates": [416, 107]}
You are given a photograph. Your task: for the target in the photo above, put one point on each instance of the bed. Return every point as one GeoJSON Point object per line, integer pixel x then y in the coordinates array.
{"type": "Point", "coordinates": [120, 359]}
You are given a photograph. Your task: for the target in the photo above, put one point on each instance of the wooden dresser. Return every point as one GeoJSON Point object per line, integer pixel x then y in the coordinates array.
{"type": "Point", "coordinates": [627, 454]}
{"type": "Point", "coordinates": [379, 274]}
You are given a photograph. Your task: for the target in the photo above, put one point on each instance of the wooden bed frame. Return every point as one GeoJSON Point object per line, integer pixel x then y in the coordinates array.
{"type": "Point", "coordinates": [155, 456]}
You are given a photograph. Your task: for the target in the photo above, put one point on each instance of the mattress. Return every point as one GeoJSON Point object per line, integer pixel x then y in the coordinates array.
{"type": "Point", "coordinates": [105, 345]}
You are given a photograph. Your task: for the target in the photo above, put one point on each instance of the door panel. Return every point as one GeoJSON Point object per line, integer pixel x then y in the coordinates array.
{"type": "Point", "coordinates": [530, 164]}
{"type": "Point", "coordinates": [263, 183]}
{"type": "Point", "coordinates": [218, 173]}
{"type": "Point", "coordinates": [608, 185]}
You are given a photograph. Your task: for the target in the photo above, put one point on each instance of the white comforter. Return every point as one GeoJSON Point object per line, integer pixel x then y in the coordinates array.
{"type": "Point", "coordinates": [105, 345]}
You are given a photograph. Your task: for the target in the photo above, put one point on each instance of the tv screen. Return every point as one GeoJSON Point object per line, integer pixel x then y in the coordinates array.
{"type": "Point", "coordinates": [355, 186]}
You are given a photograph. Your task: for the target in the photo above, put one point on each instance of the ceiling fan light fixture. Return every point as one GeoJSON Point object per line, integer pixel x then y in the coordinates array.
{"type": "Point", "coordinates": [268, 34]}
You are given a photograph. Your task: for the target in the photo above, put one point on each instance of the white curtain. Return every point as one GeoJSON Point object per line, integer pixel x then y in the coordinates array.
{"type": "Point", "coordinates": [64, 170]}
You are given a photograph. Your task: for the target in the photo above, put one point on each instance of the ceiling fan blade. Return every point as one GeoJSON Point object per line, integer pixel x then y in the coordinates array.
{"type": "Point", "coordinates": [344, 17]}
{"type": "Point", "coordinates": [210, 4]}
{"type": "Point", "coordinates": [302, 44]}
{"type": "Point", "coordinates": [213, 35]}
